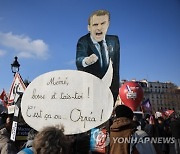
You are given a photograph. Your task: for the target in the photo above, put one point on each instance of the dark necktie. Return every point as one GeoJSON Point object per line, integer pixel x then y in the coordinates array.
{"type": "Point", "coordinates": [104, 58]}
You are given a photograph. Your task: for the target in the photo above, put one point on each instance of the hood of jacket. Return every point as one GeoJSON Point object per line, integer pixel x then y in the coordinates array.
{"type": "Point", "coordinates": [120, 124]}
{"type": "Point", "coordinates": [4, 135]}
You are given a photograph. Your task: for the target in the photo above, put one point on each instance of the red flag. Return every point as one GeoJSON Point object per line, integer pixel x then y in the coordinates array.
{"type": "Point", "coordinates": [2, 95]}
{"type": "Point", "coordinates": [168, 112]}
{"type": "Point", "coordinates": [4, 98]}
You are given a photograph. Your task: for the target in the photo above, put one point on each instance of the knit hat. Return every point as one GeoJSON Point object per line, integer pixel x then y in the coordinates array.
{"type": "Point", "coordinates": [124, 111]}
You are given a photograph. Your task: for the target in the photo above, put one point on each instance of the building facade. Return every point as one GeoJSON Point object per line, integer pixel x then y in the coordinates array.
{"type": "Point", "coordinates": [162, 95]}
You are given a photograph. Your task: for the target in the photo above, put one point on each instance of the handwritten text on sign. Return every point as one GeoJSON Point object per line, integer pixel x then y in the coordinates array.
{"type": "Point", "coordinates": [78, 100]}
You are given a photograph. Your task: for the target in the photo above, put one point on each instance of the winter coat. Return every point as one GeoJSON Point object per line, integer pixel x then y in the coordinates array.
{"type": "Point", "coordinates": [151, 130]}
{"type": "Point", "coordinates": [6, 145]}
{"type": "Point", "coordinates": [120, 131]}
{"type": "Point", "coordinates": [141, 145]}
{"type": "Point", "coordinates": [175, 125]}
{"type": "Point", "coordinates": [28, 147]}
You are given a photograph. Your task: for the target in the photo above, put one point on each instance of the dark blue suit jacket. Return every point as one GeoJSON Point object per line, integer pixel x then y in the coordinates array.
{"type": "Point", "coordinates": [85, 48]}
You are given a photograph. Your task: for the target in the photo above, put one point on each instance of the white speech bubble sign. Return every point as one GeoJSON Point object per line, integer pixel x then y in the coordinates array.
{"type": "Point", "coordinates": [77, 100]}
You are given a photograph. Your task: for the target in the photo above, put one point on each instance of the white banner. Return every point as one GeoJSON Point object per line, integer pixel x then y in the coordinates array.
{"type": "Point", "coordinates": [78, 100]}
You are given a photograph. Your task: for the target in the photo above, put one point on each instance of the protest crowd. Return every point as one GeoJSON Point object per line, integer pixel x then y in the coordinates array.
{"type": "Point", "coordinates": [123, 124]}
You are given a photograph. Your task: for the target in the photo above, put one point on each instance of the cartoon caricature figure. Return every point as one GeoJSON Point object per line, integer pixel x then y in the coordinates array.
{"type": "Point", "coordinates": [95, 49]}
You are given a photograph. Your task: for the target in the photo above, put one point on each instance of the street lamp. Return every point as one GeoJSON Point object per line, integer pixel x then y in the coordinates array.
{"type": "Point", "coordinates": [15, 65]}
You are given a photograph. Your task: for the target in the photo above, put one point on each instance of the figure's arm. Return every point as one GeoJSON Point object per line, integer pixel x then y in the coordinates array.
{"type": "Point", "coordinates": [82, 57]}
{"type": "Point", "coordinates": [89, 60]}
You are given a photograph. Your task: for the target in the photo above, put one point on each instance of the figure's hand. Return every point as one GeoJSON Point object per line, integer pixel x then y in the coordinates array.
{"type": "Point", "coordinates": [91, 59]}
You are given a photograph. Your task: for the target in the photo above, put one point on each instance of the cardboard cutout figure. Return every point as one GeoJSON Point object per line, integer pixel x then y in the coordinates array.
{"type": "Point", "coordinates": [96, 49]}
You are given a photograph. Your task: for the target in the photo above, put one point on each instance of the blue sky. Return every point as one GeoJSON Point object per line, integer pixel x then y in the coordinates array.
{"type": "Point", "coordinates": [43, 34]}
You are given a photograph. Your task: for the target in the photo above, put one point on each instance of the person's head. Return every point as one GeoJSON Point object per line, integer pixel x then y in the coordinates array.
{"type": "Point", "coordinates": [152, 120]}
{"type": "Point", "coordinates": [50, 140]}
{"type": "Point", "coordinates": [31, 134]}
{"type": "Point", "coordinates": [98, 24]}
{"type": "Point", "coordinates": [9, 121]}
{"type": "Point", "coordinates": [3, 117]}
{"type": "Point", "coordinates": [135, 118]}
{"type": "Point", "coordinates": [160, 120]}
{"type": "Point", "coordinates": [147, 116]}
{"type": "Point", "coordinates": [124, 111]}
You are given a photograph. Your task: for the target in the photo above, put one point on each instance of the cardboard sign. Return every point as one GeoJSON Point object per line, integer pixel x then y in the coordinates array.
{"type": "Point", "coordinates": [13, 131]}
{"type": "Point", "coordinates": [99, 140]}
{"type": "Point", "coordinates": [22, 131]}
{"type": "Point", "coordinates": [78, 100]}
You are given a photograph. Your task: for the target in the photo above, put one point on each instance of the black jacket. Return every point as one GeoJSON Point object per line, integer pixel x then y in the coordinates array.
{"type": "Point", "coordinates": [85, 48]}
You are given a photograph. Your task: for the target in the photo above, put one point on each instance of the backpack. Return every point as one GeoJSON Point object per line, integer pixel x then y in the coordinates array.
{"type": "Point", "coordinates": [140, 144]}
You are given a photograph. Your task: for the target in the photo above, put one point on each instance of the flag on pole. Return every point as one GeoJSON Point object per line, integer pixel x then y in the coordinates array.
{"type": "Point", "coordinates": [4, 98]}
{"type": "Point", "coordinates": [146, 106]}
{"type": "Point", "coordinates": [168, 113]}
